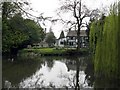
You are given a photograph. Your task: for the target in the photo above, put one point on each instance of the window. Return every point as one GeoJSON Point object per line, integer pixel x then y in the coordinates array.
{"type": "Point", "coordinates": [71, 43]}
{"type": "Point", "coordinates": [67, 37]}
{"type": "Point", "coordinates": [71, 38]}
{"type": "Point", "coordinates": [61, 42]}
{"type": "Point", "coordinates": [74, 38]}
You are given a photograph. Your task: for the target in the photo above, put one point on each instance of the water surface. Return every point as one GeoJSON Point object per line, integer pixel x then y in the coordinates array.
{"type": "Point", "coordinates": [48, 72]}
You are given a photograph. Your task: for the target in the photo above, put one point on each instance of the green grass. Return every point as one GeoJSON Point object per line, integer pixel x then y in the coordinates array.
{"type": "Point", "coordinates": [54, 51]}
{"type": "Point", "coordinates": [46, 50]}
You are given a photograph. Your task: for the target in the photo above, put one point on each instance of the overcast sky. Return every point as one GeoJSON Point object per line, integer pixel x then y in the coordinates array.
{"type": "Point", "coordinates": [49, 7]}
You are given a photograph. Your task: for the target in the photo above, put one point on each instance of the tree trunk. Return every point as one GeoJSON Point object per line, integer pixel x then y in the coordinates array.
{"type": "Point", "coordinates": [78, 38]}
{"type": "Point", "coordinates": [77, 87]}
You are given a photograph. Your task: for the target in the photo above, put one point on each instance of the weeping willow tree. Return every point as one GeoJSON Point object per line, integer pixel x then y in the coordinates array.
{"type": "Point", "coordinates": [105, 44]}
{"type": "Point", "coordinates": [119, 36]}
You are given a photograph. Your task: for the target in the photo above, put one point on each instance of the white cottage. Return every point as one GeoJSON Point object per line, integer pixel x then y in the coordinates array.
{"type": "Point", "coordinates": [71, 39]}
{"type": "Point", "coordinates": [61, 40]}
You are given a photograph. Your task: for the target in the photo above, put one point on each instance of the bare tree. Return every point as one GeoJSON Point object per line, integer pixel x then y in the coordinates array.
{"type": "Point", "coordinates": [79, 12]}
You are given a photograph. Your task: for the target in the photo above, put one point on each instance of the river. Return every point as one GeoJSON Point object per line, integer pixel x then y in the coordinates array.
{"type": "Point", "coordinates": [48, 72]}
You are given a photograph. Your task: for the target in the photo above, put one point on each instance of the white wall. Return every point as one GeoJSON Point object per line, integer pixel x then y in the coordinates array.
{"type": "Point", "coordinates": [61, 40]}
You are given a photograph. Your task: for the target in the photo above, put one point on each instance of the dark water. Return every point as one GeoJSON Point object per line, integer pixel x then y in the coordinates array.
{"type": "Point", "coordinates": [48, 72]}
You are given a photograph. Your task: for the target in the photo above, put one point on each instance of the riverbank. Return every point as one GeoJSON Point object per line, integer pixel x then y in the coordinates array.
{"type": "Point", "coordinates": [56, 52]}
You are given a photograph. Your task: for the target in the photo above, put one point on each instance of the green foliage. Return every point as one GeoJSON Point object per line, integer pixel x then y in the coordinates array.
{"type": "Point", "coordinates": [19, 69]}
{"type": "Point", "coordinates": [106, 59]}
{"type": "Point", "coordinates": [96, 33]}
{"type": "Point", "coordinates": [34, 31]}
{"type": "Point", "coordinates": [11, 36]}
{"type": "Point", "coordinates": [50, 39]}
{"type": "Point", "coordinates": [43, 51]}
{"type": "Point", "coordinates": [92, 36]}
{"type": "Point", "coordinates": [17, 30]}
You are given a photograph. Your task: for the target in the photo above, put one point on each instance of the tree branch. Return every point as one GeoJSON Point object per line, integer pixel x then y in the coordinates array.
{"type": "Point", "coordinates": [40, 17]}
{"type": "Point", "coordinates": [80, 9]}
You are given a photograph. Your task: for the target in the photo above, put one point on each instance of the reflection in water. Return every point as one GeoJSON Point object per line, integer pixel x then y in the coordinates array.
{"type": "Point", "coordinates": [89, 71]}
{"type": "Point", "coordinates": [58, 76]}
{"type": "Point", "coordinates": [48, 72]}
{"type": "Point", "coordinates": [107, 83]}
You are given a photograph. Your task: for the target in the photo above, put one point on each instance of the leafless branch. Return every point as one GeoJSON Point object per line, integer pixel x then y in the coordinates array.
{"type": "Point", "coordinates": [28, 14]}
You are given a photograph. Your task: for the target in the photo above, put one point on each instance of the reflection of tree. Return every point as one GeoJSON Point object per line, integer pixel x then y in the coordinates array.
{"type": "Point", "coordinates": [76, 65]}
{"type": "Point", "coordinates": [77, 86]}
{"type": "Point", "coordinates": [80, 64]}
{"type": "Point", "coordinates": [106, 83]}
{"type": "Point", "coordinates": [20, 69]}
{"type": "Point", "coordinates": [89, 71]}
{"type": "Point", "coordinates": [49, 62]}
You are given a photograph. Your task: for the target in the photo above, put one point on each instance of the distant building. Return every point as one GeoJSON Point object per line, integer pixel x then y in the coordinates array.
{"type": "Point", "coordinates": [71, 39]}
{"type": "Point", "coordinates": [39, 45]}
{"type": "Point", "coordinates": [61, 40]}
{"type": "Point", "coordinates": [42, 43]}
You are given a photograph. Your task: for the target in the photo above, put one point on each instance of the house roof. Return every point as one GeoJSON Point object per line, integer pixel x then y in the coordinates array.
{"type": "Point", "coordinates": [74, 33]}
{"type": "Point", "coordinates": [62, 35]}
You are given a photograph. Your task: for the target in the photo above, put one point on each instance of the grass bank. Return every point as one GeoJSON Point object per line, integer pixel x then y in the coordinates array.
{"type": "Point", "coordinates": [55, 52]}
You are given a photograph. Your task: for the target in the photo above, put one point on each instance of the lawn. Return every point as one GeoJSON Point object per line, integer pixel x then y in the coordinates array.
{"type": "Point", "coordinates": [54, 51]}
{"type": "Point", "coordinates": [46, 50]}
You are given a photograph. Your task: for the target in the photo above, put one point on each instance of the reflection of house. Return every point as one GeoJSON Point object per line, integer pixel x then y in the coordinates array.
{"type": "Point", "coordinates": [72, 64]}
{"type": "Point", "coordinates": [71, 39]}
